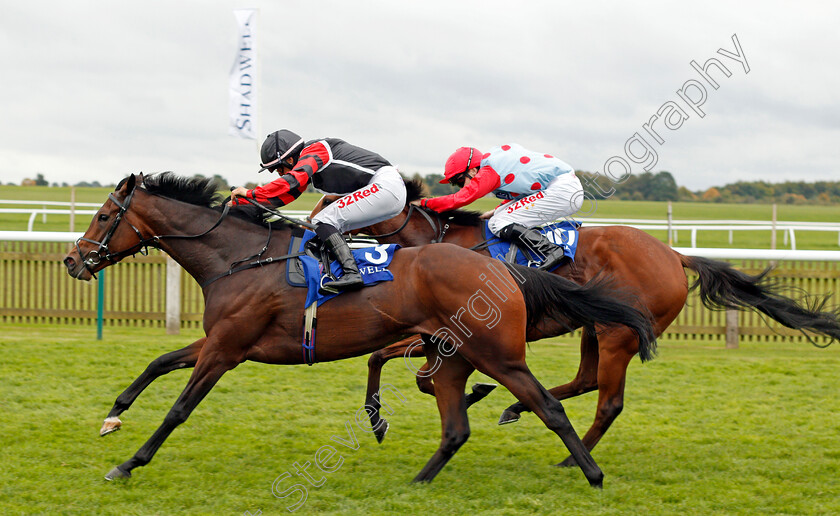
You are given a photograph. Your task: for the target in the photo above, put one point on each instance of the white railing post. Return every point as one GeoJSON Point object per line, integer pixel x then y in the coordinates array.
{"type": "Point", "coordinates": [173, 297]}
{"type": "Point", "coordinates": [72, 208]}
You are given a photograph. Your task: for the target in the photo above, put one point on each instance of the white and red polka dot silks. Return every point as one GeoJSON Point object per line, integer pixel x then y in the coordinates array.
{"type": "Point", "coordinates": [522, 171]}
{"type": "Point", "coordinates": [540, 187]}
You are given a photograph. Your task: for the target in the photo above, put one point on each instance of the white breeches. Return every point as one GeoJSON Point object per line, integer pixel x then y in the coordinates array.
{"type": "Point", "coordinates": [561, 198]}
{"type": "Point", "coordinates": [383, 198]}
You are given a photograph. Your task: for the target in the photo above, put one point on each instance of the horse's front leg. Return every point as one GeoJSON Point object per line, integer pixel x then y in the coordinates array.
{"type": "Point", "coordinates": [424, 382]}
{"type": "Point", "coordinates": [212, 363]}
{"type": "Point", "coordinates": [160, 366]}
{"type": "Point", "coordinates": [450, 379]}
{"type": "Point", "coordinates": [375, 363]}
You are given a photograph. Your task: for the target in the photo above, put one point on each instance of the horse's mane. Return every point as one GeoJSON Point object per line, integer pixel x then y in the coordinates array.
{"type": "Point", "coordinates": [415, 189]}
{"type": "Point", "coordinates": [199, 191]}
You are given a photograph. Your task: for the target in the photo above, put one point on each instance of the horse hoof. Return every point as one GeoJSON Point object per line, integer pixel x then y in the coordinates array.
{"type": "Point", "coordinates": [597, 484]}
{"type": "Point", "coordinates": [508, 416]}
{"type": "Point", "coordinates": [111, 425]}
{"type": "Point", "coordinates": [483, 389]}
{"type": "Point", "coordinates": [570, 462]}
{"type": "Point", "coordinates": [117, 473]}
{"type": "Point", "coordinates": [381, 430]}
{"type": "Point", "coordinates": [479, 392]}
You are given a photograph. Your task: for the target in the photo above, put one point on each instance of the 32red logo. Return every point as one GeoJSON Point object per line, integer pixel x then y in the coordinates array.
{"type": "Point", "coordinates": [347, 200]}
{"type": "Point", "coordinates": [522, 202]}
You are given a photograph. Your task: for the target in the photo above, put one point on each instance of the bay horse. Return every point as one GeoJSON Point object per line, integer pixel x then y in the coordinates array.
{"type": "Point", "coordinates": [251, 313]}
{"type": "Point", "coordinates": [638, 263]}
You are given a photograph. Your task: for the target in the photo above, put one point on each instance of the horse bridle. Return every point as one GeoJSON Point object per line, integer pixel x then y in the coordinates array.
{"type": "Point", "coordinates": [95, 257]}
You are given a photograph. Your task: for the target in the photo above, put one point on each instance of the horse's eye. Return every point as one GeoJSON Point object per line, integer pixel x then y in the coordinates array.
{"type": "Point", "coordinates": [103, 217]}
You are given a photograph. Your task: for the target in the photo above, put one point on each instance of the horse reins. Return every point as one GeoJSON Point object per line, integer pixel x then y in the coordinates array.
{"type": "Point", "coordinates": [95, 257]}
{"type": "Point", "coordinates": [276, 213]}
{"type": "Point", "coordinates": [440, 230]}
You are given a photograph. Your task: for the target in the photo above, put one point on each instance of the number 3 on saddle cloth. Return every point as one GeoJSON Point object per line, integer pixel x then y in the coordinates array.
{"type": "Point", "coordinates": [564, 234]}
{"type": "Point", "coordinates": [306, 271]}
{"type": "Point", "coordinates": [372, 261]}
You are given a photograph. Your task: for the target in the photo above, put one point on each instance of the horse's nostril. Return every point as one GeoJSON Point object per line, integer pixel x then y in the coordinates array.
{"type": "Point", "coordinates": [69, 262]}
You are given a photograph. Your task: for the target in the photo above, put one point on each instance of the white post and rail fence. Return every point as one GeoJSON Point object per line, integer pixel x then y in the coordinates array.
{"type": "Point", "coordinates": [672, 227]}
{"type": "Point", "coordinates": [154, 291]}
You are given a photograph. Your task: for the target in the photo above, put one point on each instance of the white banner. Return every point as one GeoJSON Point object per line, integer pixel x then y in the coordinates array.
{"type": "Point", "coordinates": [243, 76]}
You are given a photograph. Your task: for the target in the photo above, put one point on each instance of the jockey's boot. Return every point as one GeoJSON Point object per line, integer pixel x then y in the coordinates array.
{"type": "Point", "coordinates": [351, 279]}
{"type": "Point", "coordinates": [536, 242]}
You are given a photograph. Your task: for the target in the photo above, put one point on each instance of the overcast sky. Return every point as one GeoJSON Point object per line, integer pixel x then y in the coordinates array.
{"type": "Point", "coordinates": [95, 90]}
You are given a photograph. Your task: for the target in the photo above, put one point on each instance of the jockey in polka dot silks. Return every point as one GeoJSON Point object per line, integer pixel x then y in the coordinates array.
{"type": "Point", "coordinates": [537, 189]}
{"type": "Point", "coordinates": [373, 190]}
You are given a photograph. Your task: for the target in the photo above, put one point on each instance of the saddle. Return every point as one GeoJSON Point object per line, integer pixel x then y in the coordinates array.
{"type": "Point", "coordinates": [309, 260]}
{"type": "Point", "coordinates": [563, 234]}
{"type": "Point", "coordinates": [295, 275]}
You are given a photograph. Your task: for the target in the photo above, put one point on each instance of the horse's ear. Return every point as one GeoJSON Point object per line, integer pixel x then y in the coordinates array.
{"type": "Point", "coordinates": [127, 185]}
{"type": "Point", "coordinates": [140, 179]}
{"type": "Point", "coordinates": [130, 184]}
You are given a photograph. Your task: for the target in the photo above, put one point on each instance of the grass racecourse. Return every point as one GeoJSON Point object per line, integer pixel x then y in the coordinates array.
{"type": "Point", "coordinates": [704, 430]}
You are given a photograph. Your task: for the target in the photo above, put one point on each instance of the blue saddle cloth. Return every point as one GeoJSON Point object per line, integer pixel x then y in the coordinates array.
{"type": "Point", "coordinates": [372, 261]}
{"type": "Point", "coordinates": [564, 234]}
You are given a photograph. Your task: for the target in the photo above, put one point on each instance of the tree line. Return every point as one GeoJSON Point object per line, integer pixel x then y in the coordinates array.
{"type": "Point", "coordinates": [647, 186]}
{"type": "Point", "coordinates": [661, 186]}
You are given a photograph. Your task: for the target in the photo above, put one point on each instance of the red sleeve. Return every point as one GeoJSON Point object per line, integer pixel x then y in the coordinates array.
{"type": "Point", "coordinates": [484, 182]}
{"type": "Point", "coordinates": [288, 187]}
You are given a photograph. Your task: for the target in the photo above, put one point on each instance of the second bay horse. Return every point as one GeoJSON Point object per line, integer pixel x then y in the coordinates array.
{"type": "Point", "coordinates": [638, 263]}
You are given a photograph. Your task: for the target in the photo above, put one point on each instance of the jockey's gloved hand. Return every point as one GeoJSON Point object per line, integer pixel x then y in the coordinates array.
{"type": "Point", "coordinates": [237, 191]}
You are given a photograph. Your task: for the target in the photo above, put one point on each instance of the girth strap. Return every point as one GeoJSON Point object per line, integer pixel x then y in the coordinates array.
{"type": "Point", "coordinates": [310, 324]}
{"type": "Point", "coordinates": [258, 263]}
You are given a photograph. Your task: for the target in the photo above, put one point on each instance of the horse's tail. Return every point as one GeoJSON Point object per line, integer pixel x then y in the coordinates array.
{"type": "Point", "coordinates": [723, 286]}
{"type": "Point", "coordinates": [596, 302]}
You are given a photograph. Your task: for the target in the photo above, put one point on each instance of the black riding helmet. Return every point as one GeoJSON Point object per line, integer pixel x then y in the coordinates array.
{"type": "Point", "coordinates": [278, 146]}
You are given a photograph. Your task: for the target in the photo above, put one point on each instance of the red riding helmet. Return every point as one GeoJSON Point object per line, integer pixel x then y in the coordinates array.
{"type": "Point", "coordinates": [460, 161]}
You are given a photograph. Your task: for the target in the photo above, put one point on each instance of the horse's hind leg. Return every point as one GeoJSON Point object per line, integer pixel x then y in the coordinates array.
{"type": "Point", "coordinates": [160, 366]}
{"type": "Point", "coordinates": [618, 347]}
{"type": "Point", "coordinates": [585, 381]}
{"type": "Point", "coordinates": [518, 379]}
{"type": "Point", "coordinates": [450, 379]}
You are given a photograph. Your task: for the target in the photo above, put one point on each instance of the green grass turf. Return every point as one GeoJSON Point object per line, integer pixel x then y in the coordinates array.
{"type": "Point", "coordinates": [602, 209]}
{"type": "Point", "coordinates": [704, 431]}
